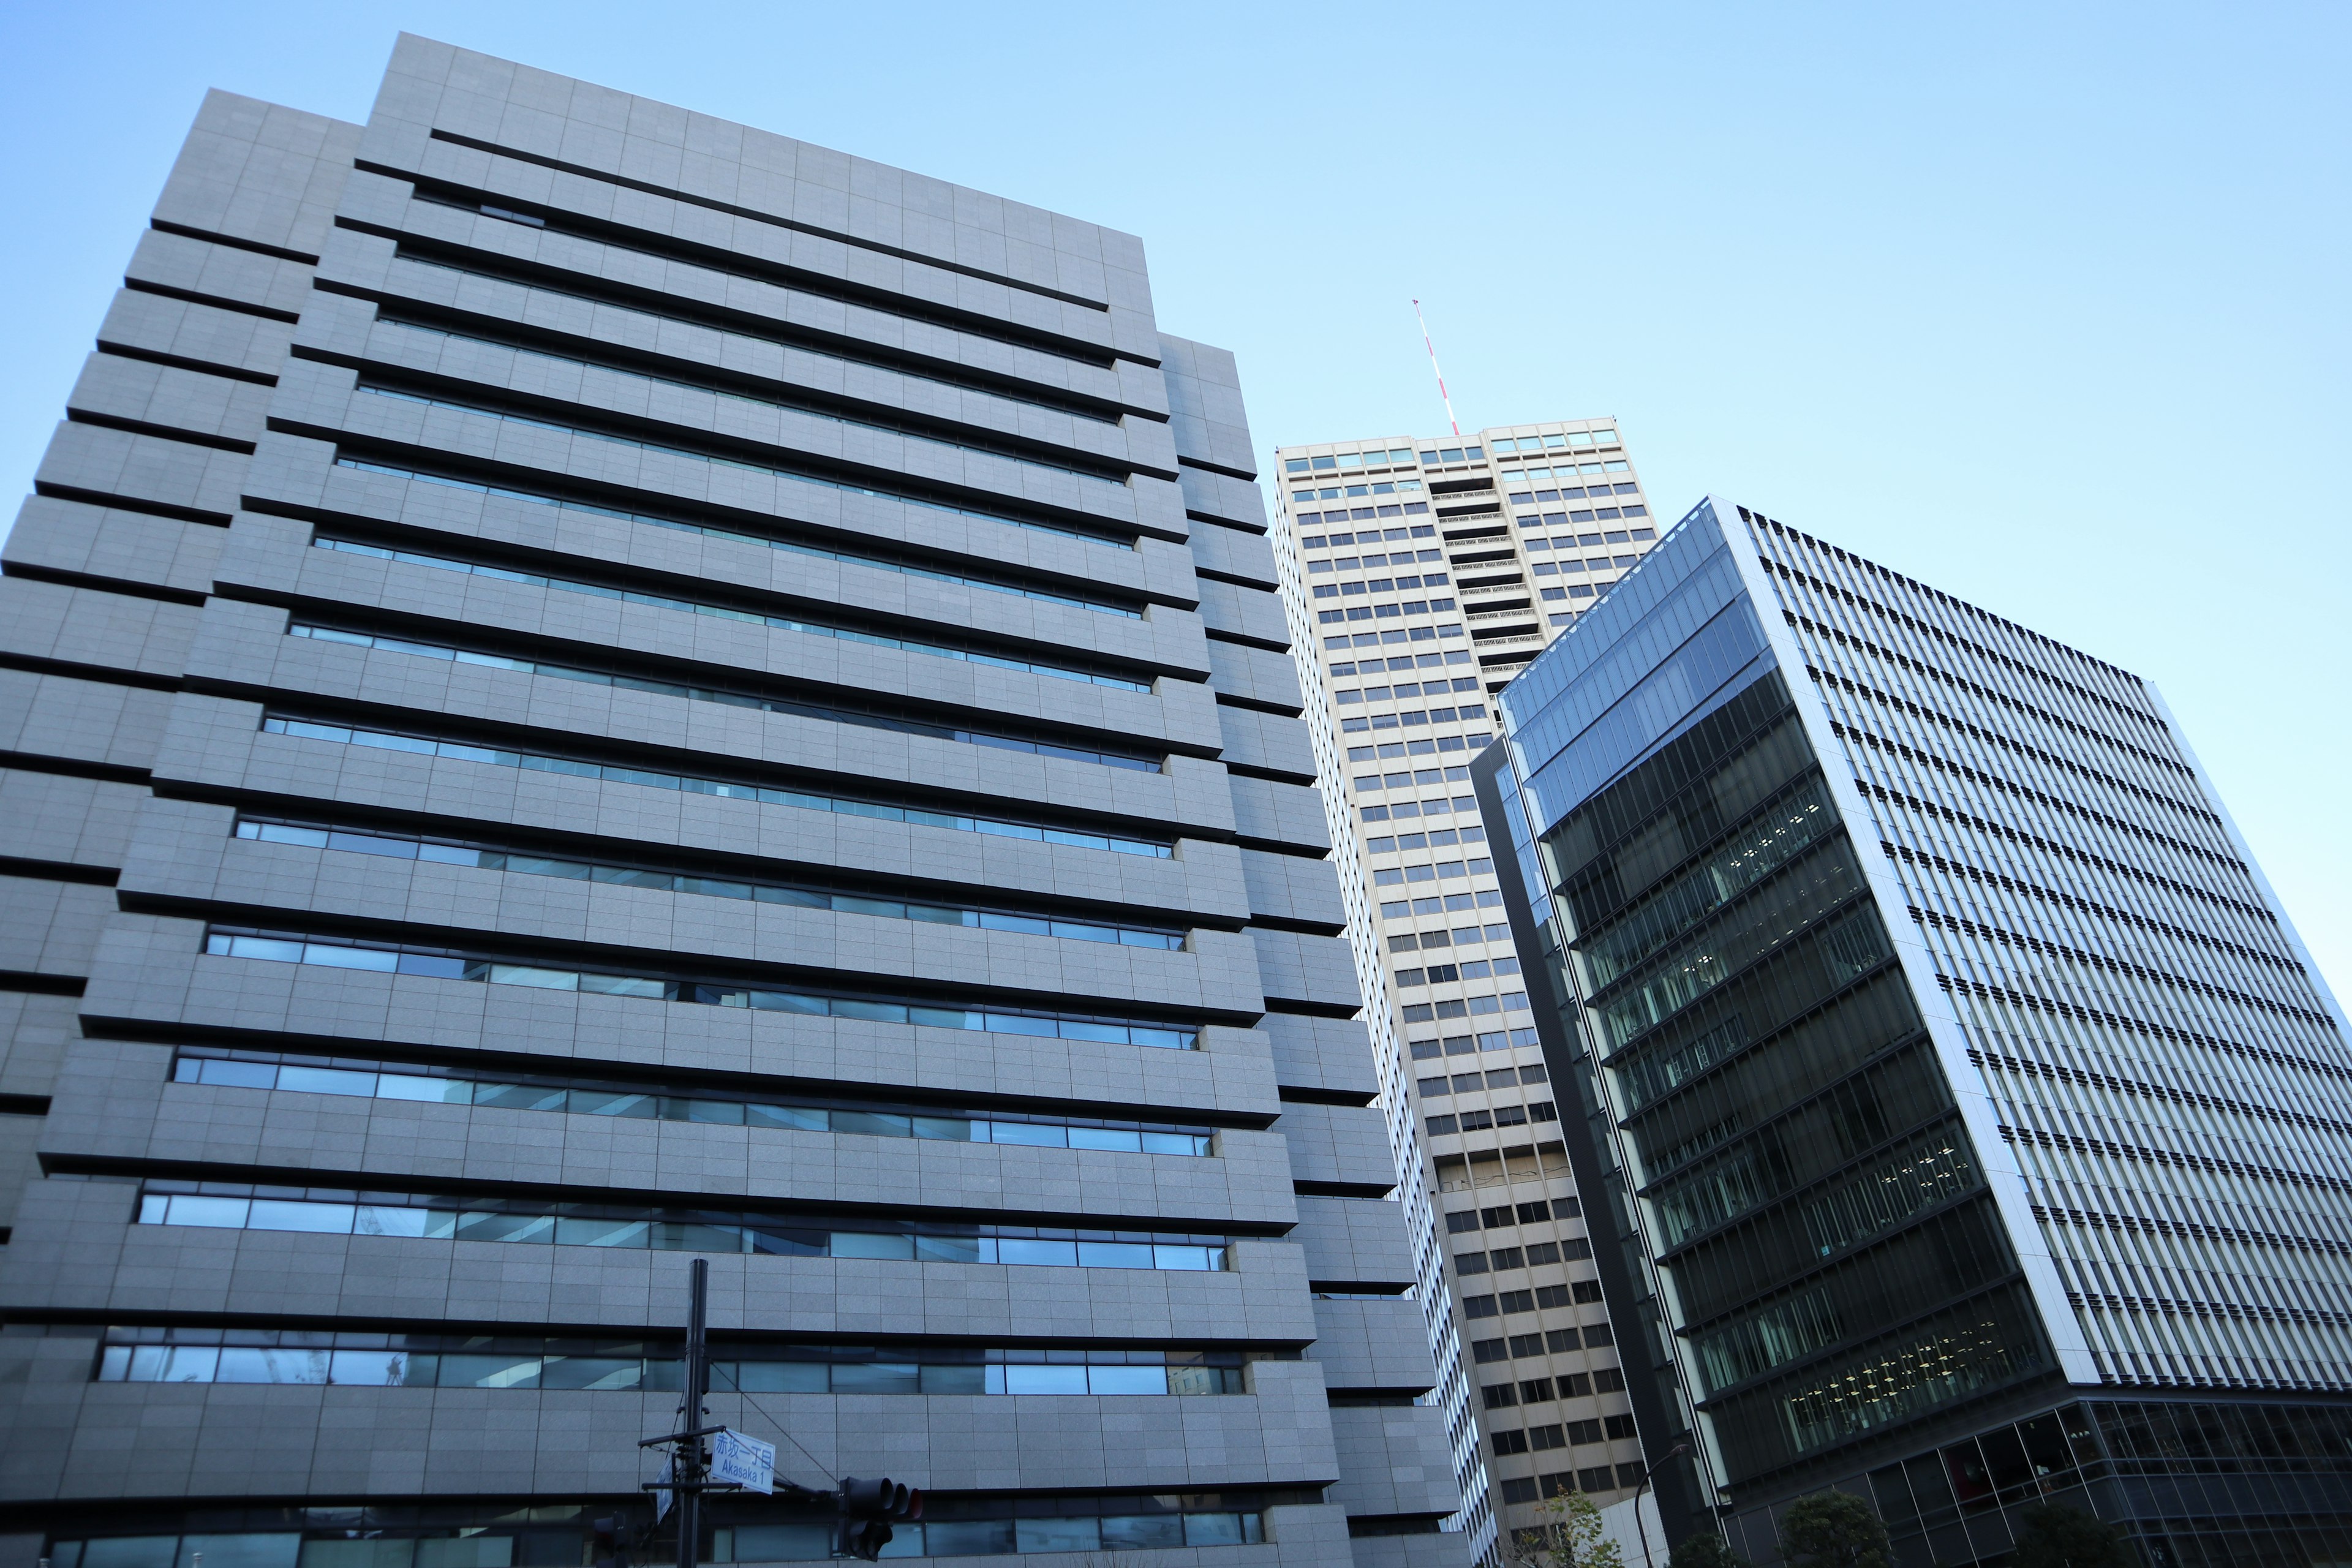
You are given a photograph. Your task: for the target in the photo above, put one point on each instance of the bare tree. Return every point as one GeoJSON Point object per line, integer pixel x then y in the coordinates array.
{"type": "Point", "coordinates": [1567, 1535]}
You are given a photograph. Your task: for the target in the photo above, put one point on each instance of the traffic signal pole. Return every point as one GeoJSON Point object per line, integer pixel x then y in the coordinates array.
{"type": "Point", "coordinates": [688, 1457]}
{"type": "Point", "coordinates": [863, 1509]}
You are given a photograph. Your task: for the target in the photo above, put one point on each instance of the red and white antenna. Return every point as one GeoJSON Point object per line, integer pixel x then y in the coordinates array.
{"type": "Point", "coordinates": [1433, 365]}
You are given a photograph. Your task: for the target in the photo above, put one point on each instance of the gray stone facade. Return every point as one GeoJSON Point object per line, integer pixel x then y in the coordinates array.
{"type": "Point", "coordinates": [580, 671]}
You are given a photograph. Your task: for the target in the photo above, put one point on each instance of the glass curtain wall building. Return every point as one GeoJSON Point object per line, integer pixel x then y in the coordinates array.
{"type": "Point", "coordinates": [1421, 576]}
{"type": "Point", "coordinates": [586, 685]}
{"type": "Point", "coordinates": [1967, 1123]}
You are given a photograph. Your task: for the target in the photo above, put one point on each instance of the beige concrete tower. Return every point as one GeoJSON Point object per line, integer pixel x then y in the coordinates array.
{"type": "Point", "coordinates": [1420, 578]}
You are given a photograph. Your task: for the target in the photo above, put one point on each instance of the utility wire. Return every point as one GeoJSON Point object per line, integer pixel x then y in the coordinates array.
{"type": "Point", "coordinates": [783, 1430]}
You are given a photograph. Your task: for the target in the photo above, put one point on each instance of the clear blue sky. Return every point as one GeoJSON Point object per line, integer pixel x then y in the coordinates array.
{"type": "Point", "coordinates": [2043, 304]}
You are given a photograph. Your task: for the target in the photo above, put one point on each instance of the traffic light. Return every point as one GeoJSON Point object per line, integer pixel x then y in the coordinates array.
{"type": "Point", "coordinates": [608, 1551]}
{"type": "Point", "coordinates": [866, 1510]}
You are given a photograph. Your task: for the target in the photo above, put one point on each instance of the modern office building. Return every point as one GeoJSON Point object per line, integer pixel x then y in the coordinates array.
{"type": "Point", "coordinates": [587, 685]}
{"type": "Point", "coordinates": [1966, 1121]}
{"type": "Point", "coordinates": [1420, 578]}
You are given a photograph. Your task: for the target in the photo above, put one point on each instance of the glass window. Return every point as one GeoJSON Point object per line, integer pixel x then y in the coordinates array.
{"type": "Point", "coordinates": [358, 1553]}
{"type": "Point", "coordinates": [322, 1080]}
{"type": "Point", "coordinates": [1214, 1529]}
{"type": "Point", "coordinates": [876, 1377]}
{"type": "Point", "coordinates": [276, 1550]}
{"type": "Point", "coordinates": [1142, 1533]}
{"type": "Point", "coordinates": [966, 1537]}
{"type": "Point", "coordinates": [755, 1544]}
{"type": "Point", "coordinates": [131, 1551]}
{"type": "Point", "coordinates": [1115, 1380]}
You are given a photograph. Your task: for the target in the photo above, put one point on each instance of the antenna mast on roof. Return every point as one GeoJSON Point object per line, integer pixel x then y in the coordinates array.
{"type": "Point", "coordinates": [1433, 365]}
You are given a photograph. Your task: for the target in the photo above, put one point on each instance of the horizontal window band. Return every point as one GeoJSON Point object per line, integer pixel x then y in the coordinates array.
{"type": "Point", "coordinates": [845, 487]}
{"type": "Point", "coordinates": [483, 1513]}
{"type": "Point", "coordinates": [442, 963]}
{"type": "Point", "coordinates": [1742, 727]}
{"type": "Point", "coordinates": [234, 1205]}
{"type": "Point", "coordinates": [2017, 790]}
{"type": "Point", "coordinates": [1478, 1082]}
{"type": "Point", "coordinates": [2002, 936]}
{"type": "Point", "coordinates": [367, 1078]}
{"type": "Point", "coordinates": [1846, 931]}
{"type": "Point", "coordinates": [2142, 1089]}
{"type": "Point", "coordinates": [551, 1336]}
{"type": "Point", "coordinates": [824, 712]}
{"type": "Point", "coordinates": [1625, 939]}
{"type": "Point", "coordinates": [183, 1353]}
{"type": "Point", "coordinates": [2139, 921]}
{"type": "Point", "coordinates": [488, 1062]}
{"type": "Point", "coordinates": [1875, 1199]}
{"type": "Point", "coordinates": [2211, 1311]}
{"type": "Point", "coordinates": [846, 805]}
{"type": "Point", "coordinates": [2128, 1023]}
{"type": "Point", "coordinates": [1969, 647]}
{"type": "Point", "coordinates": [1583, 882]}
{"type": "Point", "coordinates": [806, 409]}
{"type": "Point", "coordinates": [610, 293]}
{"type": "Point", "coordinates": [2106, 1219]}
{"type": "Point", "coordinates": [1939, 1148]}
{"type": "Point", "coordinates": [494, 857]}
{"type": "Point", "coordinates": [838, 237]}
{"type": "Point", "coordinates": [1933, 1368]}
{"type": "Point", "coordinates": [906, 568]}
{"type": "Point", "coordinates": [688, 607]}
{"type": "Point", "coordinates": [741, 1532]}
{"type": "Point", "coordinates": [2011, 743]}
{"type": "Point", "coordinates": [2150, 1154]}
{"type": "Point", "coordinates": [1648, 1075]}
{"type": "Point", "coordinates": [1481, 1119]}
{"type": "Point", "coordinates": [1712, 1142]}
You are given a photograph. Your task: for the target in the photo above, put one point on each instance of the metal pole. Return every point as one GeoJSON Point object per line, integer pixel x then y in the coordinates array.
{"type": "Point", "coordinates": [689, 1466]}
{"type": "Point", "coordinates": [1677, 1452]}
{"type": "Point", "coordinates": [1442, 395]}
